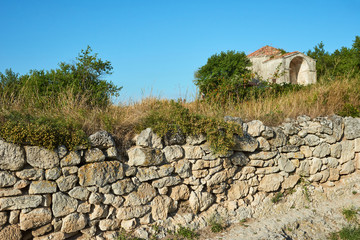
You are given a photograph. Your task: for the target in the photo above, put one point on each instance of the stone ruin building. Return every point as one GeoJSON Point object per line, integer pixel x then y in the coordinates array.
{"type": "Point", "coordinates": [276, 66]}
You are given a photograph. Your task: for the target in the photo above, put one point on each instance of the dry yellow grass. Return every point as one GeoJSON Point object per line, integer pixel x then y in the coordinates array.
{"type": "Point", "coordinates": [317, 100]}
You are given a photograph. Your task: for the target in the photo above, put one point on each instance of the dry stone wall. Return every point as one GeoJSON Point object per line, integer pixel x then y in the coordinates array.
{"type": "Point", "coordinates": [93, 193]}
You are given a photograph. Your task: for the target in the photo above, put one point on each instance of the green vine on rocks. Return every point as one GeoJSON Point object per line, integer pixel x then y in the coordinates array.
{"type": "Point", "coordinates": [173, 117]}
{"type": "Point", "coordinates": [41, 131]}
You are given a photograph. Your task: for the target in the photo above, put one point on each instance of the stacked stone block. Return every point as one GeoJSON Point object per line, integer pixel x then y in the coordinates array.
{"type": "Point", "coordinates": [93, 193]}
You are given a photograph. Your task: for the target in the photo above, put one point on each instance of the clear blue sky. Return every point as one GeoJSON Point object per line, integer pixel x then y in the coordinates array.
{"type": "Point", "coordinates": [155, 46]}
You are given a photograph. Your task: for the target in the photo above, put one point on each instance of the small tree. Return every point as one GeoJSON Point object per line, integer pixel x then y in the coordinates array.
{"type": "Point", "coordinates": [83, 78]}
{"type": "Point", "coordinates": [225, 71]}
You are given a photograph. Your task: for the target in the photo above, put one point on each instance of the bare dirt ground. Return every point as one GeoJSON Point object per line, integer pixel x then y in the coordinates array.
{"type": "Point", "coordinates": [312, 212]}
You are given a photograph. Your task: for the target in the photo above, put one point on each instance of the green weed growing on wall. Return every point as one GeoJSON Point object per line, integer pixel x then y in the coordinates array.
{"type": "Point", "coordinates": [173, 117]}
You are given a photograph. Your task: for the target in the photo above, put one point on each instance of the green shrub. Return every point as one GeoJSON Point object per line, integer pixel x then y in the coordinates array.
{"type": "Point", "coordinates": [186, 233]}
{"type": "Point", "coordinates": [350, 214]}
{"type": "Point", "coordinates": [350, 110]}
{"type": "Point", "coordinates": [216, 223]}
{"type": "Point", "coordinates": [277, 198]}
{"type": "Point", "coordinates": [347, 233]}
{"type": "Point", "coordinates": [82, 78]}
{"type": "Point", "coordinates": [41, 131]}
{"type": "Point", "coordinates": [172, 117]}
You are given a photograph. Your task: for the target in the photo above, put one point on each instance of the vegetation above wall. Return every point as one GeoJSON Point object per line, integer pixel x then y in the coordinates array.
{"type": "Point", "coordinates": [63, 106]}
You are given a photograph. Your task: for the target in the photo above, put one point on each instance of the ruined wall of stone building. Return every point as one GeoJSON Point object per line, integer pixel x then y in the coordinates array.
{"type": "Point", "coordinates": [169, 182]}
{"type": "Point", "coordinates": [287, 69]}
{"type": "Point", "coordinates": [267, 69]}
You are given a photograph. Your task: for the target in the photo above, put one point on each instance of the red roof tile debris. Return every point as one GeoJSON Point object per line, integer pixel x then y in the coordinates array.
{"type": "Point", "coordinates": [265, 51]}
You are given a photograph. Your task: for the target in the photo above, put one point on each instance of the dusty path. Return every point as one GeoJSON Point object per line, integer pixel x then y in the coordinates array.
{"type": "Point", "coordinates": [295, 217]}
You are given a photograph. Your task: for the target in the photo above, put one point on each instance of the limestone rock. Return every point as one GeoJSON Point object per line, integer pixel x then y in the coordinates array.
{"type": "Point", "coordinates": [80, 193]}
{"type": "Point", "coordinates": [100, 173]}
{"type": "Point", "coordinates": [290, 181]}
{"type": "Point", "coordinates": [31, 174]}
{"type": "Point", "coordinates": [193, 152]}
{"type": "Point", "coordinates": [267, 170]}
{"type": "Point", "coordinates": [166, 170]}
{"type": "Point", "coordinates": [73, 223]}
{"type": "Point", "coordinates": [40, 157]}
{"type": "Point", "coordinates": [144, 194]}
{"type": "Point", "coordinates": [296, 155]}
{"type": "Point", "coordinates": [286, 165]}
{"type": "Point", "coordinates": [139, 156]}
{"type": "Point", "coordinates": [347, 152]}
{"type": "Point", "coordinates": [11, 232]}
{"type": "Point", "coordinates": [334, 174]}
{"type": "Point", "coordinates": [128, 225]}
{"type": "Point", "coordinates": [51, 236]}
{"type": "Point", "coordinates": [180, 192]}
{"type": "Point", "coordinates": [239, 159]}
{"type": "Point", "coordinates": [347, 168]}
{"type": "Point", "coordinates": [217, 178]}
{"type": "Point", "coordinates": [262, 155]}
{"type": "Point", "coordinates": [200, 201]}
{"type": "Point", "coordinates": [12, 156]}
{"type": "Point", "coordinates": [316, 164]}
{"type": "Point", "coordinates": [280, 138]}
{"type": "Point", "coordinates": [147, 173]}
{"type": "Point", "coordinates": [63, 205]}
{"type": "Point", "coordinates": [270, 183]}
{"type": "Point", "coordinates": [255, 128]}
{"type": "Point", "coordinates": [290, 129]}
{"type": "Point", "coordinates": [357, 145]}
{"type": "Point", "coordinates": [96, 198]}
{"type": "Point", "coordinates": [52, 173]}
{"type": "Point", "coordinates": [183, 168]}
{"type": "Point", "coordinates": [3, 218]}
{"type": "Point", "coordinates": [196, 140]}
{"type": "Point", "coordinates": [268, 133]}
{"type": "Point", "coordinates": [306, 151]}
{"type": "Point", "coordinates": [35, 218]}
{"type": "Point", "coordinates": [201, 164]}
{"type": "Point", "coordinates": [6, 192]}
{"type": "Point", "coordinates": [264, 145]}
{"type": "Point", "coordinates": [6, 179]}
{"type": "Point", "coordinates": [316, 177]}
{"type": "Point", "coordinates": [123, 187]}
{"type": "Point", "coordinates": [109, 224]}
{"type": "Point", "coordinates": [352, 128]}
{"type": "Point", "coordinates": [335, 150]}
{"type": "Point", "coordinates": [41, 187]}
{"type": "Point", "coordinates": [245, 143]}
{"type": "Point", "coordinates": [322, 150]}
{"type": "Point", "coordinates": [304, 169]}
{"type": "Point", "coordinates": [72, 159]}
{"type": "Point", "coordinates": [99, 211]}
{"type": "Point", "coordinates": [173, 152]}
{"type": "Point", "coordinates": [67, 171]}
{"type": "Point", "coordinates": [101, 139]}
{"type": "Point", "coordinates": [147, 138]}
{"type": "Point", "coordinates": [67, 183]}
{"type": "Point", "coordinates": [161, 206]}
{"type": "Point", "coordinates": [332, 162]}
{"type": "Point", "coordinates": [94, 155]}
{"type": "Point", "coordinates": [126, 213]}
{"type": "Point", "coordinates": [42, 230]}
{"type": "Point", "coordinates": [238, 190]}
{"type": "Point", "coordinates": [312, 140]}
{"type": "Point", "coordinates": [20, 202]}
{"type": "Point", "coordinates": [166, 182]}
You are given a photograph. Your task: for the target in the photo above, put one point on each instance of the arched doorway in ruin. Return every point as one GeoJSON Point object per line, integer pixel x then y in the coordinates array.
{"type": "Point", "coordinates": [299, 71]}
